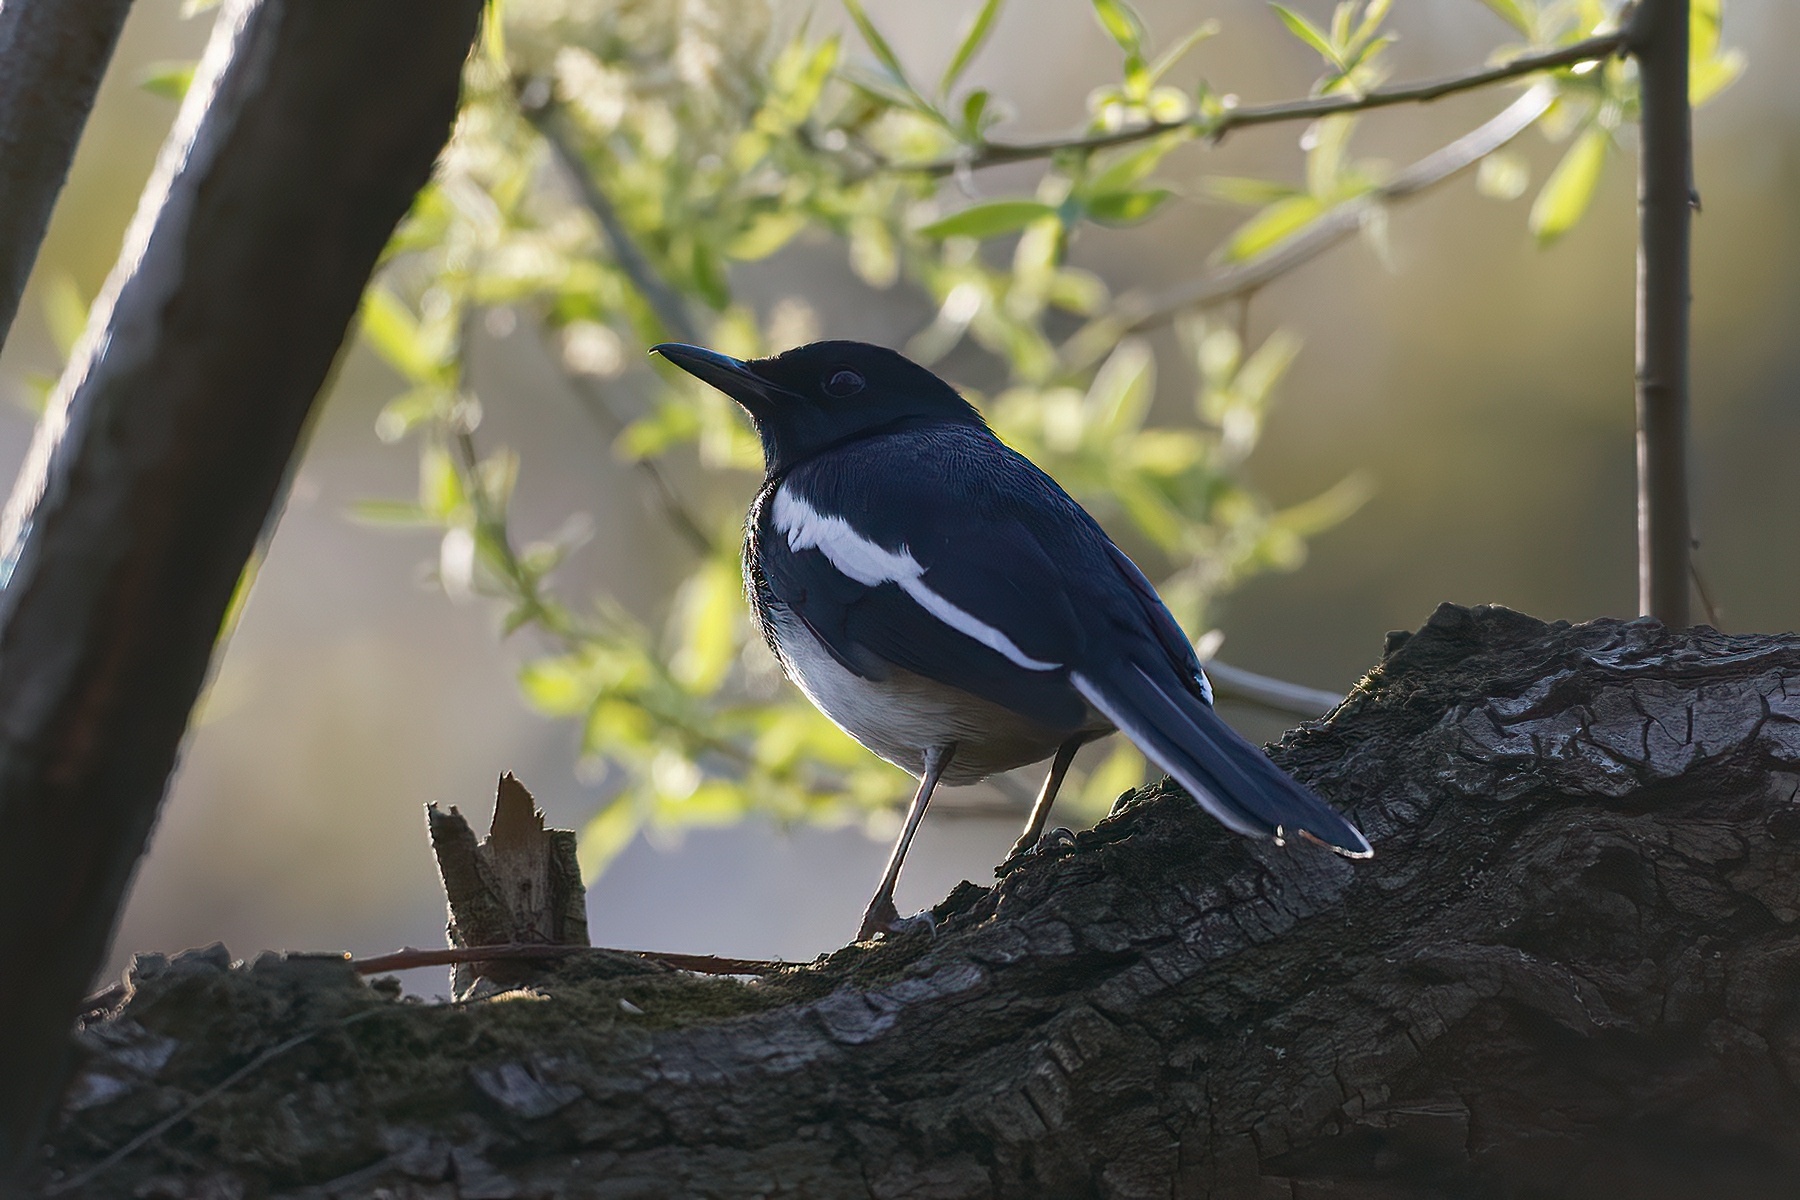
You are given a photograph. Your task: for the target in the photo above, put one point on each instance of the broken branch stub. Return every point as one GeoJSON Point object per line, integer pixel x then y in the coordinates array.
{"type": "Point", "coordinates": [520, 885]}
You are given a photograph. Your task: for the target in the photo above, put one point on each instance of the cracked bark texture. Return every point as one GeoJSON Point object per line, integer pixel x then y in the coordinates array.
{"type": "Point", "coordinates": [1571, 970]}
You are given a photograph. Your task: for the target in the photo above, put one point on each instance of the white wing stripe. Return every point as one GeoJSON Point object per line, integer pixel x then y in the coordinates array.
{"type": "Point", "coordinates": [871, 565]}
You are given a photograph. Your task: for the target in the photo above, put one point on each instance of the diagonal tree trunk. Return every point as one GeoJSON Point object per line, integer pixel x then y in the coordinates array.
{"type": "Point", "coordinates": [1571, 970]}
{"type": "Point", "coordinates": [310, 126]}
{"type": "Point", "coordinates": [52, 55]}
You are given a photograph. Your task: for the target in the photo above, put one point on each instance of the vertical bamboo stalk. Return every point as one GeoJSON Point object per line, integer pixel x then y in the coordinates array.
{"type": "Point", "coordinates": [1659, 41]}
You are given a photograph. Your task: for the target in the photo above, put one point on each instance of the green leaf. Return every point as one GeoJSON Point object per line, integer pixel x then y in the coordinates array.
{"type": "Point", "coordinates": [607, 833]}
{"type": "Point", "coordinates": [877, 43]}
{"type": "Point", "coordinates": [1309, 33]}
{"type": "Point", "coordinates": [1571, 185]}
{"type": "Point", "coordinates": [767, 233]}
{"type": "Point", "coordinates": [1710, 70]}
{"type": "Point", "coordinates": [975, 113]}
{"type": "Point", "coordinates": [65, 312]}
{"type": "Point", "coordinates": [1179, 50]}
{"type": "Point", "coordinates": [992, 219]}
{"type": "Point", "coordinates": [1132, 168]}
{"type": "Point", "coordinates": [1121, 23]}
{"type": "Point", "coordinates": [393, 333]}
{"type": "Point", "coordinates": [1237, 189]}
{"type": "Point", "coordinates": [1502, 176]}
{"type": "Point", "coordinates": [1272, 226]}
{"type": "Point", "coordinates": [170, 80]}
{"type": "Point", "coordinates": [1124, 208]}
{"type": "Point", "coordinates": [1511, 12]}
{"type": "Point", "coordinates": [974, 35]}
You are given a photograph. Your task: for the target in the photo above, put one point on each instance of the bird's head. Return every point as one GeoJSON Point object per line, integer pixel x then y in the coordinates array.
{"type": "Point", "coordinates": [808, 399]}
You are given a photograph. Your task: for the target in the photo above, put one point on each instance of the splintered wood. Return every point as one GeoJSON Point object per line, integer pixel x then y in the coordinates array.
{"type": "Point", "coordinates": [520, 885]}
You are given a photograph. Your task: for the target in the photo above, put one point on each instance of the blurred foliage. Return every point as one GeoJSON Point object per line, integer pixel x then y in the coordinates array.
{"type": "Point", "coordinates": [618, 161]}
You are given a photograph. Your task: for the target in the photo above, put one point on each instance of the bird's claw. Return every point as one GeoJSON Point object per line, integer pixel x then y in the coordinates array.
{"type": "Point", "coordinates": [1053, 842]}
{"type": "Point", "coordinates": [884, 919]}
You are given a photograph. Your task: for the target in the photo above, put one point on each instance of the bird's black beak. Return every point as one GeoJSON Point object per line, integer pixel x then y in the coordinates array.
{"type": "Point", "coordinates": [730, 375]}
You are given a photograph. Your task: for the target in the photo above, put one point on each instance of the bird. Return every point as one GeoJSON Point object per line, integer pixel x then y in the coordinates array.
{"type": "Point", "coordinates": [948, 605]}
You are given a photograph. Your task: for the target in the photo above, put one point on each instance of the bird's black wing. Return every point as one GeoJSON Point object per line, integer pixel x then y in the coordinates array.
{"type": "Point", "coordinates": [942, 552]}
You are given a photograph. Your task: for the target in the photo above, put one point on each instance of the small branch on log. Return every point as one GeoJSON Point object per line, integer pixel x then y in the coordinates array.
{"type": "Point", "coordinates": [520, 885]}
{"type": "Point", "coordinates": [701, 964]}
{"type": "Point", "coordinates": [309, 127]}
{"type": "Point", "coordinates": [52, 56]}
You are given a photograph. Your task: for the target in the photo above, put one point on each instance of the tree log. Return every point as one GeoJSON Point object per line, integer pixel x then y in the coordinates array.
{"type": "Point", "coordinates": [309, 127]}
{"type": "Point", "coordinates": [1571, 970]}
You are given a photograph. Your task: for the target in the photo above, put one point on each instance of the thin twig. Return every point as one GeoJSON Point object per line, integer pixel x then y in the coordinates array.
{"type": "Point", "coordinates": [701, 964]}
{"type": "Point", "coordinates": [993, 154]}
{"type": "Point", "coordinates": [82, 1178]}
{"type": "Point", "coordinates": [1134, 314]}
{"type": "Point", "coordinates": [674, 508]}
{"type": "Point", "coordinates": [1659, 41]}
{"type": "Point", "coordinates": [1277, 695]}
{"type": "Point", "coordinates": [668, 305]}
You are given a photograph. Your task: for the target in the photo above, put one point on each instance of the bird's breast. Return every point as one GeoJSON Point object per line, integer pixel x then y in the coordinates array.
{"type": "Point", "coordinates": [903, 715]}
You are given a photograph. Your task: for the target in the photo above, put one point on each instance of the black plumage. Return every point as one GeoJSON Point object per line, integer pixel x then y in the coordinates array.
{"type": "Point", "coordinates": [948, 604]}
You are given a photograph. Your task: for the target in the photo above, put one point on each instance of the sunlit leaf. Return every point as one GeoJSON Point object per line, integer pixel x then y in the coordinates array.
{"type": "Point", "coordinates": [1127, 170]}
{"type": "Point", "coordinates": [170, 80]}
{"type": "Point", "coordinates": [607, 833]}
{"type": "Point", "coordinates": [1255, 192]}
{"type": "Point", "coordinates": [1512, 13]}
{"type": "Point", "coordinates": [1503, 176]}
{"type": "Point", "coordinates": [877, 43]}
{"type": "Point", "coordinates": [975, 33]}
{"type": "Point", "coordinates": [1124, 208]}
{"type": "Point", "coordinates": [1179, 50]}
{"type": "Point", "coordinates": [1570, 188]}
{"type": "Point", "coordinates": [1121, 23]}
{"type": "Point", "coordinates": [992, 219]}
{"type": "Point", "coordinates": [1309, 33]}
{"type": "Point", "coordinates": [393, 332]}
{"type": "Point", "coordinates": [65, 311]}
{"type": "Point", "coordinates": [1710, 70]}
{"type": "Point", "coordinates": [1271, 226]}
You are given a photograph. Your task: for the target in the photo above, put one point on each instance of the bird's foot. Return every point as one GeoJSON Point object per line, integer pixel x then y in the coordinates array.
{"type": "Point", "coordinates": [1052, 843]}
{"type": "Point", "coordinates": [884, 919]}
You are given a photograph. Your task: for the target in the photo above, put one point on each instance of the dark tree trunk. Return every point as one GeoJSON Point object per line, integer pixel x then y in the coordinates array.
{"type": "Point", "coordinates": [1571, 970]}
{"type": "Point", "coordinates": [52, 55]}
{"type": "Point", "coordinates": [310, 126]}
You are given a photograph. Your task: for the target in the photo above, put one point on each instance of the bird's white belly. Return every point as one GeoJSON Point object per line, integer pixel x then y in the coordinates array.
{"type": "Point", "coordinates": [900, 717]}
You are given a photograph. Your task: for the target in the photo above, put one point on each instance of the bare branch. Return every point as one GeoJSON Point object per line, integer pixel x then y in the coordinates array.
{"type": "Point", "coordinates": [993, 154]}
{"type": "Point", "coordinates": [412, 958]}
{"type": "Point", "coordinates": [668, 304]}
{"type": "Point", "coordinates": [1277, 695]}
{"type": "Point", "coordinates": [53, 55]}
{"type": "Point", "coordinates": [1659, 41]}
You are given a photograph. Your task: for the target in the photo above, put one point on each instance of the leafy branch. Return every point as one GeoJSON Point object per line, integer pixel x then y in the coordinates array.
{"type": "Point", "coordinates": [1213, 124]}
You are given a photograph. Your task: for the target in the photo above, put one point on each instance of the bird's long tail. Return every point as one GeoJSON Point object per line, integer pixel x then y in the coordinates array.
{"type": "Point", "coordinates": [1231, 778]}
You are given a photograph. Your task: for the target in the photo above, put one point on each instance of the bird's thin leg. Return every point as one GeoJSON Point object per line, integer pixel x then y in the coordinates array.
{"type": "Point", "coordinates": [1040, 812]}
{"type": "Point", "coordinates": [881, 915]}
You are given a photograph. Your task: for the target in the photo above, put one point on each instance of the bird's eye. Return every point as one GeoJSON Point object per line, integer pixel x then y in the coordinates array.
{"type": "Point", "coordinates": [844, 383]}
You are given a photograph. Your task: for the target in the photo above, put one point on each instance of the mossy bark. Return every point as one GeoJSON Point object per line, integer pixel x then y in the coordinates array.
{"type": "Point", "coordinates": [1571, 970]}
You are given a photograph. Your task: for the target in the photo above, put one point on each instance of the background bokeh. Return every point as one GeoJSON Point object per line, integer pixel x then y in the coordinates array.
{"type": "Point", "coordinates": [1483, 385]}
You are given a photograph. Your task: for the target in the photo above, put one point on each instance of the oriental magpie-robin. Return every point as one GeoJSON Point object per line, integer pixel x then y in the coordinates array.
{"type": "Point", "coordinates": [950, 607]}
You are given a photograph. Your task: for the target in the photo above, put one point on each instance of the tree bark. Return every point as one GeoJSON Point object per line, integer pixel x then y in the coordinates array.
{"type": "Point", "coordinates": [310, 125]}
{"type": "Point", "coordinates": [1570, 970]}
{"type": "Point", "coordinates": [52, 55]}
